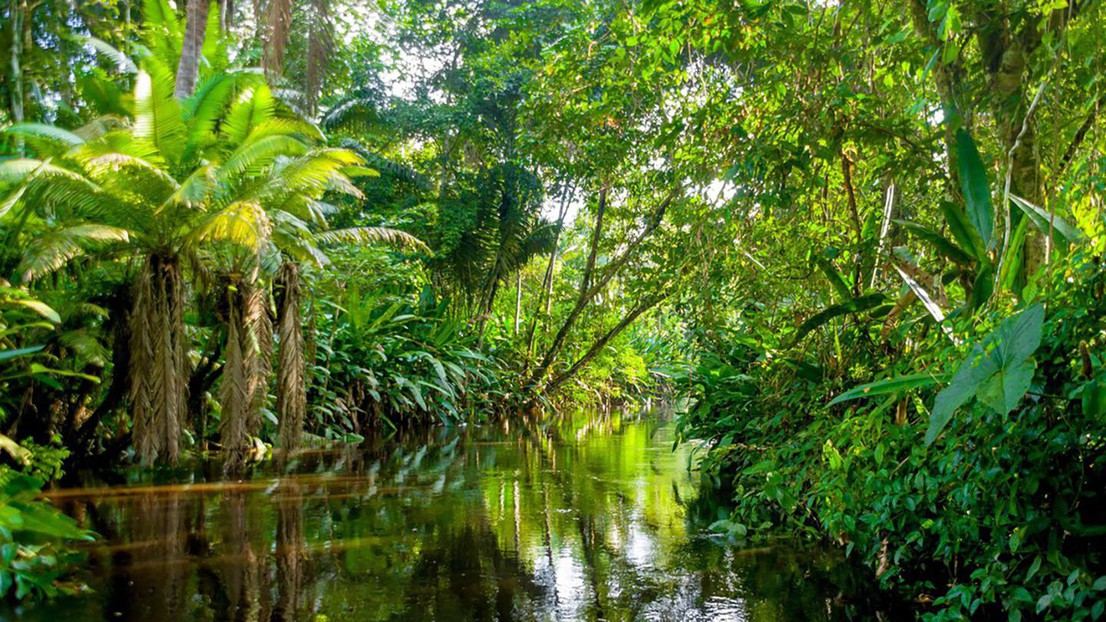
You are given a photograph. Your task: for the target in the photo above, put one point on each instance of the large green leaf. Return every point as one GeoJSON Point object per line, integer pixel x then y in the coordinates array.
{"type": "Point", "coordinates": [974, 184]}
{"type": "Point", "coordinates": [998, 370]}
{"type": "Point", "coordinates": [835, 278]}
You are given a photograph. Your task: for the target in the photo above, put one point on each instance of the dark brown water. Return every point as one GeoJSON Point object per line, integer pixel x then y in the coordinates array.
{"type": "Point", "coordinates": [592, 521]}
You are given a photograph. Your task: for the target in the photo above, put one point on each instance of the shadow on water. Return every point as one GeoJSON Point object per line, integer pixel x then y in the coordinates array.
{"type": "Point", "coordinates": [587, 519]}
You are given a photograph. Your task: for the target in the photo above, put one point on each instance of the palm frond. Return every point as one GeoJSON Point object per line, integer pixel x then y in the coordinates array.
{"type": "Point", "coordinates": [128, 174]}
{"type": "Point", "coordinates": [53, 250]}
{"type": "Point", "coordinates": [47, 138]}
{"type": "Point", "coordinates": [254, 107]}
{"type": "Point", "coordinates": [123, 63]}
{"type": "Point", "coordinates": [354, 113]}
{"type": "Point", "coordinates": [385, 166]}
{"type": "Point", "coordinates": [22, 170]}
{"type": "Point", "coordinates": [313, 174]}
{"type": "Point", "coordinates": [204, 108]}
{"type": "Point", "coordinates": [255, 156]}
{"type": "Point", "coordinates": [158, 114]}
{"type": "Point", "coordinates": [243, 223]}
{"type": "Point", "coordinates": [198, 186]}
{"type": "Point", "coordinates": [163, 31]}
{"type": "Point", "coordinates": [372, 235]}
{"type": "Point", "coordinates": [277, 126]}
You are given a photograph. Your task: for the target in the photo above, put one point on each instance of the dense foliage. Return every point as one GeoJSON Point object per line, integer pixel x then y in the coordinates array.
{"type": "Point", "coordinates": [864, 239]}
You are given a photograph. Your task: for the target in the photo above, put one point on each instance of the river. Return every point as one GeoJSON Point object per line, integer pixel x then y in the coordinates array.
{"type": "Point", "coordinates": [590, 519]}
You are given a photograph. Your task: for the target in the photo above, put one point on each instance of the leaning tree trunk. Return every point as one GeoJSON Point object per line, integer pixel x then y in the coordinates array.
{"type": "Point", "coordinates": [195, 32]}
{"type": "Point", "coordinates": [244, 387]}
{"type": "Point", "coordinates": [158, 361]}
{"type": "Point", "coordinates": [291, 363]}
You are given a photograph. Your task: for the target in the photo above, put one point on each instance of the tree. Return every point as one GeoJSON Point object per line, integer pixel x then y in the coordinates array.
{"type": "Point", "coordinates": [188, 174]}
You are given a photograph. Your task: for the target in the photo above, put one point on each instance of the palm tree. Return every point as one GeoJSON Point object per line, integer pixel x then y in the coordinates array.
{"type": "Point", "coordinates": [186, 176]}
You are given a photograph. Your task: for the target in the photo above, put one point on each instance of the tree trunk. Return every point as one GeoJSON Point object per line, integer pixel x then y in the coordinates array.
{"type": "Point", "coordinates": [582, 299]}
{"type": "Point", "coordinates": [602, 342]}
{"type": "Point", "coordinates": [589, 288]}
{"type": "Point", "coordinates": [291, 364]}
{"type": "Point", "coordinates": [195, 33]}
{"type": "Point", "coordinates": [518, 300]}
{"type": "Point", "coordinates": [547, 282]}
{"type": "Point", "coordinates": [244, 382]}
{"type": "Point", "coordinates": [158, 360]}
{"type": "Point", "coordinates": [18, 12]}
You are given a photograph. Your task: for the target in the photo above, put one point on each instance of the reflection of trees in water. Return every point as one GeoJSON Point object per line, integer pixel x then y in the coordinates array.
{"type": "Point", "coordinates": [462, 573]}
{"type": "Point", "coordinates": [154, 584]}
{"type": "Point", "coordinates": [291, 554]}
{"type": "Point", "coordinates": [238, 563]}
{"type": "Point", "coordinates": [494, 527]}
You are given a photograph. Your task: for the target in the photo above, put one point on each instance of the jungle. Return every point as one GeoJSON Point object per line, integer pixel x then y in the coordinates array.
{"type": "Point", "coordinates": [552, 310]}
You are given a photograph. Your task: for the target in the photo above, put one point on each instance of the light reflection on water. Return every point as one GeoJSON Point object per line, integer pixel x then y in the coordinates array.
{"type": "Point", "coordinates": [607, 524]}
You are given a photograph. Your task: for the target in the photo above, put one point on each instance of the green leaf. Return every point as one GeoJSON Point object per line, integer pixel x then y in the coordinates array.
{"type": "Point", "coordinates": [976, 188]}
{"type": "Point", "coordinates": [855, 305]}
{"type": "Point", "coordinates": [943, 245]}
{"type": "Point", "coordinates": [11, 354]}
{"type": "Point", "coordinates": [963, 231]}
{"type": "Point", "coordinates": [1012, 260]}
{"type": "Point", "coordinates": [1094, 399]}
{"type": "Point", "coordinates": [1046, 221]}
{"type": "Point", "coordinates": [961, 389]}
{"type": "Point", "coordinates": [982, 288]}
{"type": "Point", "coordinates": [835, 278]}
{"type": "Point", "coordinates": [1006, 387]}
{"type": "Point", "coordinates": [897, 384]}
{"type": "Point", "coordinates": [998, 370]}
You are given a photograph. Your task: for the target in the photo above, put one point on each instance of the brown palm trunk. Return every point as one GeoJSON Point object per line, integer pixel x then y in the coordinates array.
{"type": "Point", "coordinates": [159, 362]}
{"type": "Point", "coordinates": [195, 32]}
{"type": "Point", "coordinates": [244, 385]}
{"type": "Point", "coordinates": [291, 362]}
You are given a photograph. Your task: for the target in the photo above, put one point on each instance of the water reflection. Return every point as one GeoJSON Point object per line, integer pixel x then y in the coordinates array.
{"type": "Point", "coordinates": [587, 521]}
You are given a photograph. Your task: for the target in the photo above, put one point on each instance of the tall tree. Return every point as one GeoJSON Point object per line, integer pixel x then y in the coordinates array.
{"type": "Point", "coordinates": [195, 34]}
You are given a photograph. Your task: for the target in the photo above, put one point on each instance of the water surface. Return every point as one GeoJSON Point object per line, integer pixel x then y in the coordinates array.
{"type": "Point", "coordinates": [584, 521]}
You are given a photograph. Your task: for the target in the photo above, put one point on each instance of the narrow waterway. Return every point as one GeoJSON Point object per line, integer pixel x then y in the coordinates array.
{"type": "Point", "coordinates": [589, 520]}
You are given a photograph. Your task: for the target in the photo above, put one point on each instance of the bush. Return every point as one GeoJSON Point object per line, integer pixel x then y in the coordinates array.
{"type": "Point", "coordinates": [998, 515]}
